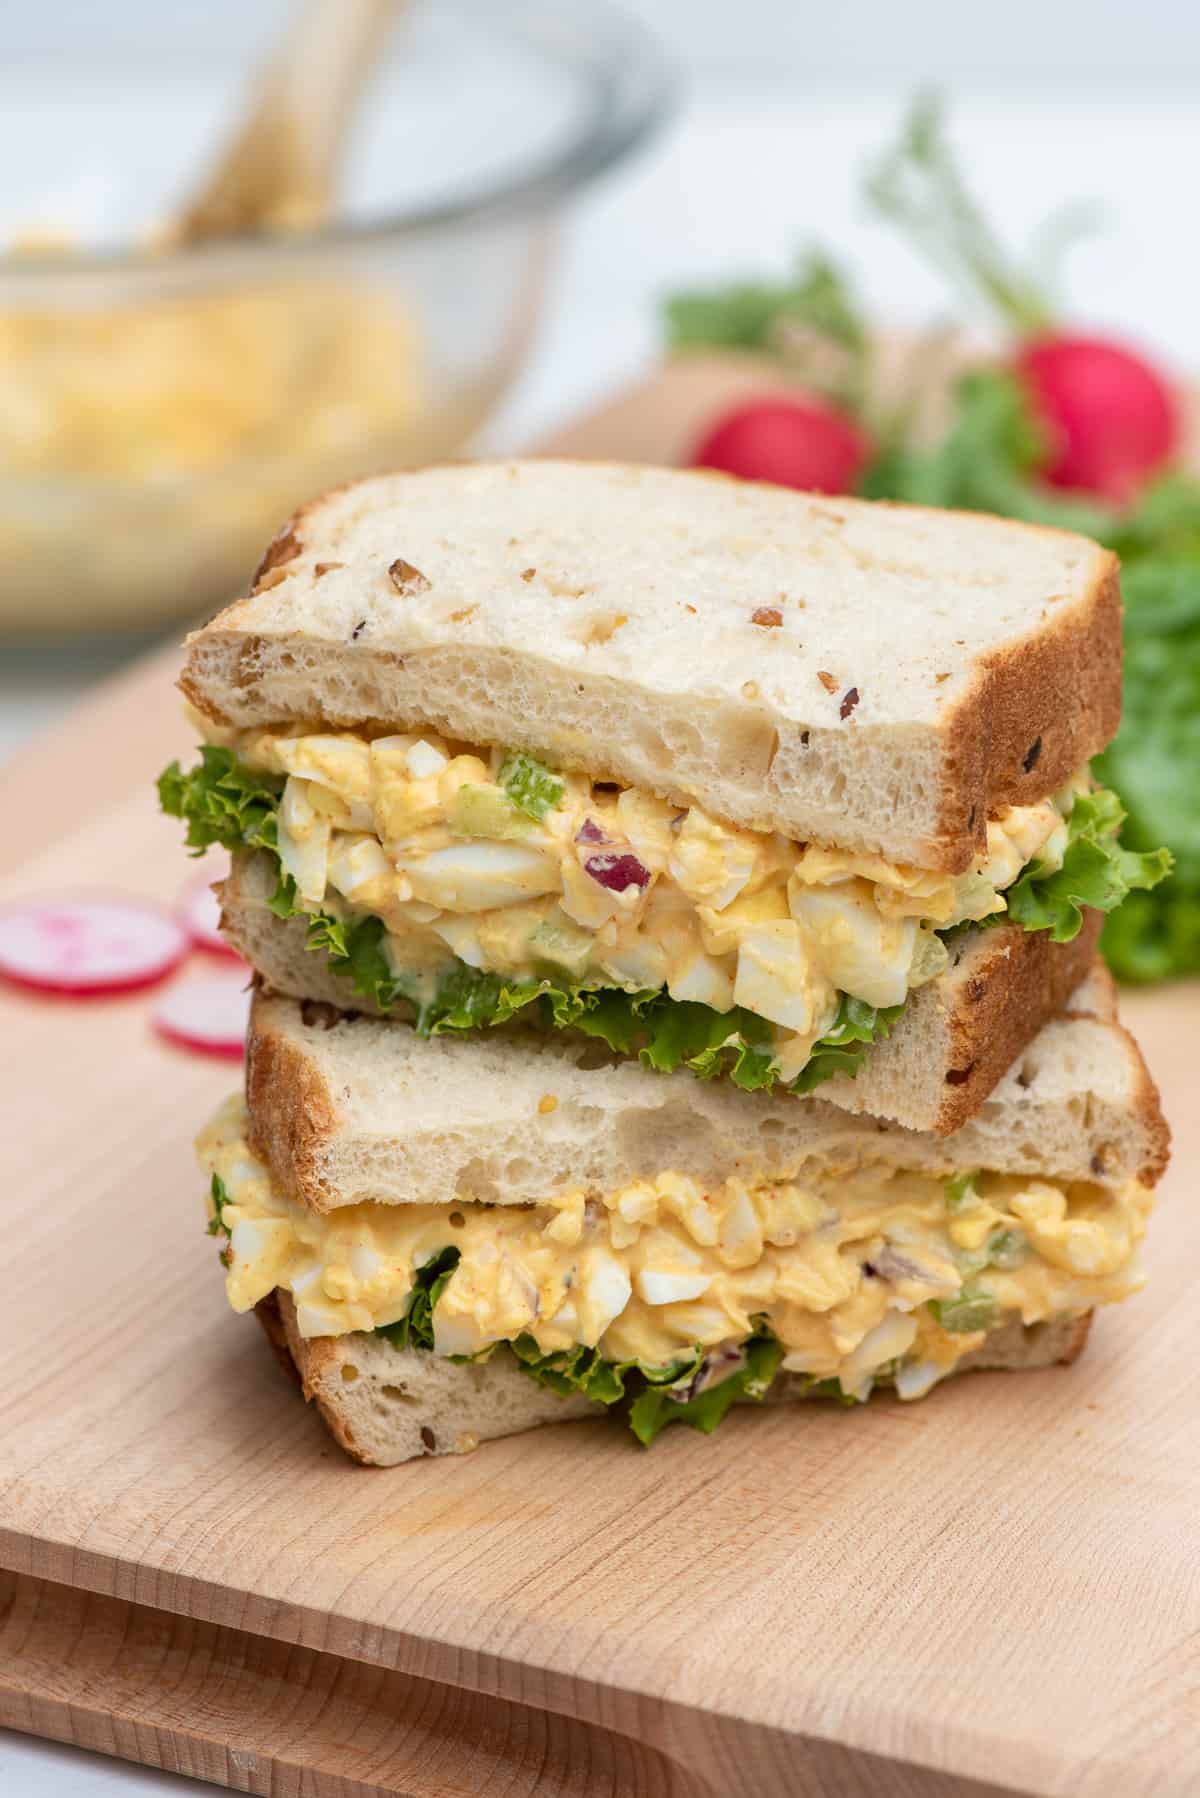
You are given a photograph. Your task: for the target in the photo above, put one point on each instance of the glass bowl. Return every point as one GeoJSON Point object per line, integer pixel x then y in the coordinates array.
{"type": "Point", "coordinates": [163, 411]}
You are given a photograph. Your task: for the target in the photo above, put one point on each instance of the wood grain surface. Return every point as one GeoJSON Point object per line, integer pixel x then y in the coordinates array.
{"type": "Point", "coordinates": [995, 1590]}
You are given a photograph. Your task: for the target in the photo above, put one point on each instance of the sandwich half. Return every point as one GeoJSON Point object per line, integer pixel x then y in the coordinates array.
{"type": "Point", "coordinates": [451, 1241]}
{"type": "Point", "coordinates": [731, 778]}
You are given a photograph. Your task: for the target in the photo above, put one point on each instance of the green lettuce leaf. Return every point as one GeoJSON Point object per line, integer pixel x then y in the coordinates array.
{"type": "Point", "coordinates": [843, 1048]}
{"type": "Point", "coordinates": [684, 1033]}
{"type": "Point", "coordinates": [415, 1328]}
{"type": "Point", "coordinates": [657, 1395]}
{"type": "Point", "coordinates": [222, 801]}
{"type": "Point", "coordinates": [585, 1370]}
{"type": "Point", "coordinates": [1157, 935]}
{"type": "Point", "coordinates": [665, 1033]}
{"type": "Point", "coordinates": [658, 1404]}
{"type": "Point", "coordinates": [354, 946]}
{"type": "Point", "coordinates": [1096, 872]}
{"type": "Point", "coordinates": [984, 463]}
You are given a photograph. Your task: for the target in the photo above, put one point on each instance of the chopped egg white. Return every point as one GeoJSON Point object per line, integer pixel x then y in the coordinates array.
{"type": "Point", "coordinates": [475, 877]}
{"type": "Point", "coordinates": [777, 977]}
{"type": "Point", "coordinates": [303, 834]}
{"type": "Point", "coordinates": [864, 950]}
{"type": "Point", "coordinates": [710, 862]}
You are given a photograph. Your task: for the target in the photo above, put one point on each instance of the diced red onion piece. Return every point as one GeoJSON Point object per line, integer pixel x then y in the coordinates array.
{"type": "Point", "coordinates": [616, 872]}
{"type": "Point", "coordinates": [590, 832]}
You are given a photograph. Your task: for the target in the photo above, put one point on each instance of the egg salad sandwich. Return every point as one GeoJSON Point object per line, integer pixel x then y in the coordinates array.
{"type": "Point", "coordinates": [450, 1241]}
{"type": "Point", "coordinates": [787, 790]}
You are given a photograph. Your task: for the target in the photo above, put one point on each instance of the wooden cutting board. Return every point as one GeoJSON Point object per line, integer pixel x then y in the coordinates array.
{"type": "Point", "coordinates": [997, 1590]}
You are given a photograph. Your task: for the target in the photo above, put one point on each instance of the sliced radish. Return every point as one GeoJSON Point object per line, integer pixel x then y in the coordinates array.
{"type": "Point", "coordinates": [207, 1013]}
{"type": "Point", "coordinates": [88, 944]}
{"type": "Point", "coordinates": [200, 912]}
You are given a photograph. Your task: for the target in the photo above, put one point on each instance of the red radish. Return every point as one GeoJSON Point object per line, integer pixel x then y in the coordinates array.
{"type": "Point", "coordinates": [1110, 414]}
{"type": "Point", "coordinates": [207, 1013]}
{"type": "Point", "coordinates": [1112, 418]}
{"type": "Point", "coordinates": [791, 442]}
{"type": "Point", "coordinates": [200, 912]}
{"type": "Point", "coordinates": [88, 944]}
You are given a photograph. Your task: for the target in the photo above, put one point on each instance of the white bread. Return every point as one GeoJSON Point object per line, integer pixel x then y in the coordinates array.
{"type": "Point", "coordinates": [387, 1405]}
{"type": "Point", "coordinates": [954, 1040]}
{"type": "Point", "coordinates": [348, 1109]}
{"type": "Point", "coordinates": [909, 671]}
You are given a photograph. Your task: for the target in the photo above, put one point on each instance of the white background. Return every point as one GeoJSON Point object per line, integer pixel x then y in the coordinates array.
{"type": "Point", "coordinates": [1022, 45]}
{"type": "Point", "coordinates": [1052, 101]}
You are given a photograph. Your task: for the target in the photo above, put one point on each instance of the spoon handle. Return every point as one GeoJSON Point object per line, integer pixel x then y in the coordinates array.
{"type": "Point", "coordinates": [277, 171]}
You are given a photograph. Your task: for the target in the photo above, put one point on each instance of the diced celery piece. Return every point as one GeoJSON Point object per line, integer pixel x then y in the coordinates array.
{"type": "Point", "coordinates": [930, 957]}
{"type": "Point", "coordinates": [563, 944]}
{"type": "Point", "coordinates": [968, 1311]}
{"type": "Point", "coordinates": [1006, 1248]}
{"type": "Point", "coordinates": [969, 1261]}
{"type": "Point", "coordinates": [961, 1192]}
{"type": "Point", "coordinates": [479, 811]}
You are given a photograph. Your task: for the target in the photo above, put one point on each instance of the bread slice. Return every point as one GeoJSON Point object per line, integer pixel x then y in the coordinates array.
{"type": "Point", "coordinates": [348, 1109]}
{"type": "Point", "coordinates": [880, 677]}
{"type": "Point", "coordinates": [954, 1040]}
{"type": "Point", "coordinates": [386, 1405]}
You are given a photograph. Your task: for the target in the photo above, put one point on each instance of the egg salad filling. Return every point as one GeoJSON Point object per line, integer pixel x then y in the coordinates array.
{"type": "Point", "coordinates": [169, 428]}
{"type": "Point", "coordinates": [847, 1274]}
{"type": "Point", "coordinates": [472, 884]}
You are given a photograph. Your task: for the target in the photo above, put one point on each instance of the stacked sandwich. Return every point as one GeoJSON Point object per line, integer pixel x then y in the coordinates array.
{"type": "Point", "coordinates": [674, 906]}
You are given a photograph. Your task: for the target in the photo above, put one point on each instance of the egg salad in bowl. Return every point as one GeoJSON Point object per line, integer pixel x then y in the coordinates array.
{"type": "Point", "coordinates": [461, 886]}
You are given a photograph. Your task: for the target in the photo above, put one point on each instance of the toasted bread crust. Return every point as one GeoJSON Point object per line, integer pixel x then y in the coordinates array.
{"type": "Point", "coordinates": [292, 1113]}
{"type": "Point", "coordinates": [1023, 981]}
{"type": "Point", "coordinates": [1037, 713]}
{"type": "Point", "coordinates": [1038, 982]}
{"type": "Point", "coordinates": [307, 1364]}
{"type": "Point", "coordinates": [285, 546]}
{"type": "Point", "coordinates": [268, 1314]}
{"type": "Point", "coordinates": [1147, 1109]}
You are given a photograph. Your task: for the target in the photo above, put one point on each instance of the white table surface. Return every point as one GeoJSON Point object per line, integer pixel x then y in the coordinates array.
{"type": "Point", "coordinates": [741, 181]}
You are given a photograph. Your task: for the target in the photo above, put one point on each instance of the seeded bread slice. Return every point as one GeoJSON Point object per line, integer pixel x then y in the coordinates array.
{"type": "Point", "coordinates": [954, 1040]}
{"type": "Point", "coordinates": [349, 1109]}
{"type": "Point", "coordinates": [386, 1405]}
{"type": "Point", "coordinates": [880, 677]}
